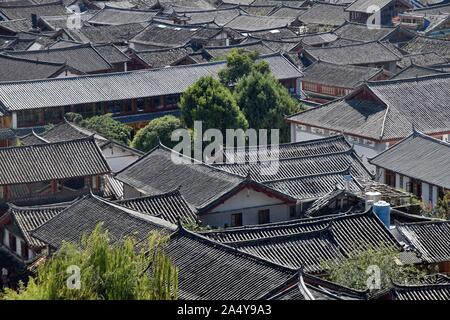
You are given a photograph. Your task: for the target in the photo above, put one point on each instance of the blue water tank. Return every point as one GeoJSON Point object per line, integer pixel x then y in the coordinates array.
{"type": "Point", "coordinates": [383, 210]}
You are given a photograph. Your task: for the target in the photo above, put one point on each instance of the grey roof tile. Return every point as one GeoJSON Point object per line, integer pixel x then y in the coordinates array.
{"type": "Point", "coordinates": [418, 156]}
{"type": "Point", "coordinates": [37, 163]}
{"type": "Point", "coordinates": [84, 215]}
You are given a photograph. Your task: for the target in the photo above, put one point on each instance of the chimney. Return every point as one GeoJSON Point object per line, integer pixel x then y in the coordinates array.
{"type": "Point", "coordinates": [34, 22]}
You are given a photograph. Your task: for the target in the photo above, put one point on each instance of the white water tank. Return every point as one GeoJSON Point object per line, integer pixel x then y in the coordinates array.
{"type": "Point", "coordinates": [372, 197]}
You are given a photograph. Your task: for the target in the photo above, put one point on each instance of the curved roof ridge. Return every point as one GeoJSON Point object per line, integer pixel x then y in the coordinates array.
{"type": "Point", "coordinates": [197, 236]}
{"type": "Point", "coordinates": [313, 175]}
{"type": "Point", "coordinates": [320, 231]}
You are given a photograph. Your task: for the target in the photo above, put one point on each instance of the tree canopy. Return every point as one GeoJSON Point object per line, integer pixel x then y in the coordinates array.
{"type": "Point", "coordinates": [211, 102]}
{"type": "Point", "coordinates": [265, 101]}
{"type": "Point", "coordinates": [360, 271]}
{"type": "Point", "coordinates": [239, 64]}
{"type": "Point", "coordinates": [106, 126]}
{"type": "Point", "coordinates": [106, 272]}
{"type": "Point", "coordinates": [160, 128]}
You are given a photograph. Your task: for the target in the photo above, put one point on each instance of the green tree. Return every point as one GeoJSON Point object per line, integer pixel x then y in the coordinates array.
{"type": "Point", "coordinates": [106, 126]}
{"type": "Point", "coordinates": [239, 64]}
{"type": "Point", "coordinates": [107, 272]}
{"type": "Point", "coordinates": [160, 128]}
{"type": "Point", "coordinates": [442, 209]}
{"type": "Point", "coordinates": [265, 101]}
{"type": "Point", "coordinates": [209, 101]}
{"type": "Point", "coordinates": [355, 271]}
{"type": "Point", "coordinates": [73, 117]}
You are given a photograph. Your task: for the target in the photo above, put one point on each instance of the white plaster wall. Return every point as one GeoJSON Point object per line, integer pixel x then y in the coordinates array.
{"type": "Point", "coordinates": [246, 198]}
{"type": "Point", "coordinates": [118, 158]}
{"type": "Point", "coordinates": [279, 212]}
{"type": "Point", "coordinates": [249, 202]}
{"type": "Point", "coordinates": [435, 195]}
{"type": "Point", "coordinates": [130, 192]}
{"type": "Point", "coordinates": [425, 192]}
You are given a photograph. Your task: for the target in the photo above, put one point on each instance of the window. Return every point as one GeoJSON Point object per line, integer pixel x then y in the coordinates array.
{"type": "Point", "coordinates": [328, 90]}
{"type": "Point", "coordinates": [236, 219]}
{"type": "Point", "coordinates": [292, 212]}
{"type": "Point", "coordinates": [264, 216]}
{"type": "Point", "coordinates": [317, 130]}
{"type": "Point", "coordinates": [156, 102]}
{"type": "Point", "coordinates": [416, 188]}
{"type": "Point", "coordinates": [128, 106]}
{"type": "Point", "coordinates": [12, 242]}
{"type": "Point", "coordinates": [114, 107]}
{"type": "Point", "coordinates": [24, 250]}
{"type": "Point", "coordinates": [430, 193]}
{"type": "Point", "coordinates": [74, 183]}
{"type": "Point", "coordinates": [140, 104]}
{"type": "Point", "coordinates": [401, 182]}
{"type": "Point", "coordinates": [171, 101]}
{"type": "Point", "coordinates": [389, 178]}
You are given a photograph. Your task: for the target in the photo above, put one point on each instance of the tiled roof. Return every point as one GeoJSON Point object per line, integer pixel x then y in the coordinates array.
{"type": "Point", "coordinates": [350, 231]}
{"type": "Point", "coordinates": [156, 173]}
{"type": "Point", "coordinates": [117, 34]}
{"type": "Point", "coordinates": [111, 53]}
{"type": "Point", "coordinates": [17, 68]}
{"type": "Point", "coordinates": [64, 131]}
{"type": "Point", "coordinates": [337, 75]}
{"type": "Point", "coordinates": [250, 23]}
{"type": "Point", "coordinates": [307, 188]}
{"type": "Point", "coordinates": [84, 215]}
{"type": "Point", "coordinates": [16, 25]}
{"type": "Point", "coordinates": [418, 156]}
{"type": "Point", "coordinates": [120, 86]}
{"type": "Point", "coordinates": [69, 159]}
{"type": "Point", "coordinates": [273, 34]}
{"type": "Point", "coordinates": [360, 32]}
{"type": "Point", "coordinates": [115, 16]}
{"type": "Point", "coordinates": [30, 218]}
{"type": "Point", "coordinates": [430, 239]}
{"type": "Point", "coordinates": [324, 14]}
{"type": "Point", "coordinates": [421, 44]}
{"type": "Point", "coordinates": [422, 59]}
{"type": "Point", "coordinates": [209, 270]}
{"type": "Point", "coordinates": [84, 58]}
{"type": "Point", "coordinates": [170, 206]}
{"type": "Point", "coordinates": [218, 16]}
{"type": "Point", "coordinates": [309, 148]}
{"type": "Point", "coordinates": [355, 54]}
{"type": "Point", "coordinates": [364, 5]}
{"type": "Point", "coordinates": [307, 250]}
{"type": "Point", "coordinates": [169, 35]}
{"type": "Point", "coordinates": [22, 11]}
{"type": "Point", "coordinates": [288, 11]}
{"type": "Point", "coordinates": [301, 166]}
{"type": "Point", "coordinates": [163, 57]}
{"type": "Point", "coordinates": [413, 71]}
{"type": "Point", "coordinates": [222, 51]}
{"type": "Point", "coordinates": [421, 292]}
{"type": "Point", "coordinates": [391, 118]}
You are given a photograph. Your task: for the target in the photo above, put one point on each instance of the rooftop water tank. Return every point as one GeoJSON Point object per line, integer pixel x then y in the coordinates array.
{"type": "Point", "coordinates": [372, 197]}
{"type": "Point", "coordinates": [383, 210]}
